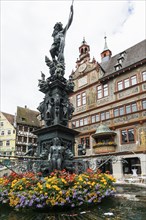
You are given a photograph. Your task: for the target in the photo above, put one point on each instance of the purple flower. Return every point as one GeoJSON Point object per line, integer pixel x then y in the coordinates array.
{"type": "Point", "coordinates": [31, 202]}
{"type": "Point", "coordinates": [37, 200]}
{"type": "Point", "coordinates": [17, 206]}
{"type": "Point", "coordinates": [39, 206]}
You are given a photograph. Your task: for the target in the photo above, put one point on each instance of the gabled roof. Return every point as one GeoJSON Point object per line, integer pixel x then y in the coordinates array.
{"type": "Point", "coordinates": [9, 117]}
{"type": "Point", "coordinates": [132, 56]}
{"type": "Point", "coordinates": [27, 117]}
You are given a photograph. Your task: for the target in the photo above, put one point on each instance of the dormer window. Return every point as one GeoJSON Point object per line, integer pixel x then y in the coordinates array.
{"type": "Point", "coordinates": [120, 59]}
{"type": "Point", "coordinates": [23, 119]}
{"type": "Point", "coordinates": [118, 66]}
{"type": "Point", "coordinates": [122, 54]}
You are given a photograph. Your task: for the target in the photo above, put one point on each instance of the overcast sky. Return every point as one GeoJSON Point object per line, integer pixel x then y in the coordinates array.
{"type": "Point", "coordinates": [26, 29]}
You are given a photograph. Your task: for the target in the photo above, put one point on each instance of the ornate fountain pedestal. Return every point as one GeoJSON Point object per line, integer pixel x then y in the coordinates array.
{"type": "Point", "coordinates": [55, 140]}
{"type": "Point", "coordinates": [46, 135]}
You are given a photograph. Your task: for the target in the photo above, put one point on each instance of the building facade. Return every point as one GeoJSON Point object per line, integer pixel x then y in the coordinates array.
{"type": "Point", "coordinates": [7, 134]}
{"type": "Point", "coordinates": [26, 122]}
{"type": "Point", "coordinates": [111, 95]}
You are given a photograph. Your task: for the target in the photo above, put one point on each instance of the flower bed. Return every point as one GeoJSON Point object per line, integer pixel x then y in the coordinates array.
{"type": "Point", "coordinates": [28, 190]}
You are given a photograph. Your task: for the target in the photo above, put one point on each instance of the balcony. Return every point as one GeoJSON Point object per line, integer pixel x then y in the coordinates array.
{"type": "Point", "coordinates": [104, 147]}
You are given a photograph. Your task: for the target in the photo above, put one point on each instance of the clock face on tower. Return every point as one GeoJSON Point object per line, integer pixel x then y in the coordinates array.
{"type": "Point", "coordinates": [82, 67]}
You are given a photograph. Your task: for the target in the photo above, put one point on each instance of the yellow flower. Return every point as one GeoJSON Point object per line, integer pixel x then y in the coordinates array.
{"type": "Point", "coordinates": [60, 193]}
{"type": "Point", "coordinates": [56, 187]}
{"type": "Point", "coordinates": [48, 186]}
{"type": "Point", "coordinates": [93, 183]}
{"type": "Point", "coordinates": [63, 180]}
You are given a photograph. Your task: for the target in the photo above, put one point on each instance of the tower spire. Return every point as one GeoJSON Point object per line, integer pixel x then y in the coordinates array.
{"type": "Point", "coordinates": [105, 44]}
{"type": "Point", "coordinates": [106, 53]}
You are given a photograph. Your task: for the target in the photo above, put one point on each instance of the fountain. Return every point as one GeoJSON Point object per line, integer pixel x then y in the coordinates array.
{"type": "Point", "coordinates": [55, 139]}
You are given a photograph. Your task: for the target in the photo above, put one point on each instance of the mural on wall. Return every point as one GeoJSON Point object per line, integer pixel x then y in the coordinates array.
{"type": "Point", "coordinates": [142, 137]}
{"type": "Point", "coordinates": [91, 97]}
{"type": "Point", "coordinates": [93, 76]}
{"type": "Point", "coordinates": [82, 81]}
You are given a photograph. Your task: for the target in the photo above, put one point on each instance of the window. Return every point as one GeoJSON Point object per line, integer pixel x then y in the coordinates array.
{"type": "Point", "coordinates": [127, 136]}
{"type": "Point", "coordinates": [134, 107]}
{"type": "Point", "coordinates": [105, 90]}
{"type": "Point", "coordinates": [85, 121]}
{"type": "Point", "coordinates": [20, 128]}
{"type": "Point", "coordinates": [77, 123]}
{"type": "Point", "coordinates": [95, 118]}
{"type": "Point", "coordinates": [2, 132]}
{"type": "Point", "coordinates": [30, 129]}
{"type": "Point", "coordinates": [123, 84]}
{"type": "Point", "coordinates": [131, 108]}
{"type": "Point", "coordinates": [128, 109]}
{"type": "Point", "coordinates": [78, 100]}
{"type": "Point", "coordinates": [133, 80]}
{"type": "Point", "coordinates": [126, 83]}
{"type": "Point", "coordinates": [102, 91]}
{"type": "Point", "coordinates": [144, 76]}
{"type": "Point", "coordinates": [107, 115]}
{"type": "Point", "coordinates": [120, 85]}
{"type": "Point", "coordinates": [1, 143]}
{"type": "Point", "coordinates": [99, 92]}
{"type": "Point", "coordinates": [19, 139]}
{"type": "Point", "coordinates": [116, 112]}
{"type": "Point", "coordinates": [81, 122]}
{"type": "Point", "coordinates": [144, 104]}
{"type": "Point", "coordinates": [26, 129]}
{"type": "Point", "coordinates": [9, 132]}
{"type": "Point", "coordinates": [86, 142]}
{"type": "Point", "coordinates": [2, 123]}
{"type": "Point", "coordinates": [7, 143]}
{"type": "Point", "coordinates": [23, 119]}
{"type": "Point", "coordinates": [121, 110]}
{"type": "Point", "coordinates": [81, 99]}
{"type": "Point", "coordinates": [104, 115]}
{"type": "Point", "coordinates": [30, 140]}
{"type": "Point", "coordinates": [100, 117]}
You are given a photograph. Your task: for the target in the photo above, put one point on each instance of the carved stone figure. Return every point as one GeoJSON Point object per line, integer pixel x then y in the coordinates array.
{"type": "Point", "coordinates": [51, 65]}
{"type": "Point", "coordinates": [59, 33]}
{"type": "Point", "coordinates": [56, 154]}
{"type": "Point", "coordinates": [57, 104]}
{"type": "Point", "coordinates": [68, 160]}
{"type": "Point", "coordinates": [65, 109]}
{"type": "Point", "coordinates": [70, 84]}
{"type": "Point", "coordinates": [41, 108]}
{"type": "Point", "coordinates": [49, 112]}
{"type": "Point", "coordinates": [70, 110]}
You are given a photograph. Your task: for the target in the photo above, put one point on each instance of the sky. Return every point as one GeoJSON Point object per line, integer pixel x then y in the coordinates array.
{"type": "Point", "coordinates": [26, 29]}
